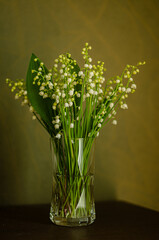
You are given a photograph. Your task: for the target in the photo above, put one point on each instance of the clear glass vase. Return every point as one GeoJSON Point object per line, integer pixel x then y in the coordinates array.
{"type": "Point", "coordinates": [72, 202]}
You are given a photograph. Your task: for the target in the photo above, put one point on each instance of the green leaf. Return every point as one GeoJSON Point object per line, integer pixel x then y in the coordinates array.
{"type": "Point", "coordinates": [42, 106]}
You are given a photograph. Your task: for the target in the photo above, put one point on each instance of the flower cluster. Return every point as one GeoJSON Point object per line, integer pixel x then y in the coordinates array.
{"type": "Point", "coordinates": [19, 85]}
{"type": "Point", "coordinates": [81, 105]}
{"type": "Point", "coordinates": [21, 93]}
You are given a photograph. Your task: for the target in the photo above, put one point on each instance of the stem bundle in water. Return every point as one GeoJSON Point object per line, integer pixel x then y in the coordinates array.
{"type": "Point", "coordinates": [73, 182]}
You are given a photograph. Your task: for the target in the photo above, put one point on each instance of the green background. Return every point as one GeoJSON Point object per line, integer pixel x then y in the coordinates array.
{"type": "Point", "coordinates": [120, 32]}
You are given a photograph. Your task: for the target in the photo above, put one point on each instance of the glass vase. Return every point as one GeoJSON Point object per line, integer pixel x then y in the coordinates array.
{"type": "Point", "coordinates": [72, 202]}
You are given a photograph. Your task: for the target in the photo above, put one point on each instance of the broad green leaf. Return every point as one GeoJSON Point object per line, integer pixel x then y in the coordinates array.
{"type": "Point", "coordinates": [42, 106]}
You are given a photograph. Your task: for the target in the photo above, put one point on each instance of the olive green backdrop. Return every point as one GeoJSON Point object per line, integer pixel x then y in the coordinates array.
{"type": "Point", "coordinates": [120, 32]}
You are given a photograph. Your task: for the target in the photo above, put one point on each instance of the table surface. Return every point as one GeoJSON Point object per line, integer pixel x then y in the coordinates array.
{"type": "Point", "coordinates": [115, 220]}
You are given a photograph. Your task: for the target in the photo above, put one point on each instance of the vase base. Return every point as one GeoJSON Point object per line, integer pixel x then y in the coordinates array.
{"type": "Point", "coordinates": [72, 222]}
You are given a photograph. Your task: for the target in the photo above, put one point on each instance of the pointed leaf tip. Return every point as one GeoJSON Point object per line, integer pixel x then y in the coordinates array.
{"type": "Point", "coordinates": [42, 106]}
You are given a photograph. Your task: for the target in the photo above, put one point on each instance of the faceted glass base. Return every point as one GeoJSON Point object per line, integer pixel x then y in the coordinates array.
{"type": "Point", "coordinates": [72, 222]}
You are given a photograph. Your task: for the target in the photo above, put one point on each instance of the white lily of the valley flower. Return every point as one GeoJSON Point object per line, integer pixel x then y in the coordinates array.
{"type": "Point", "coordinates": [41, 93]}
{"type": "Point", "coordinates": [69, 80]}
{"type": "Point", "coordinates": [56, 126]}
{"type": "Point", "coordinates": [92, 85]}
{"type": "Point", "coordinates": [100, 98]}
{"type": "Point", "coordinates": [57, 120]}
{"type": "Point", "coordinates": [114, 122]}
{"type": "Point", "coordinates": [100, 91]}
{"type": "Point", "coordinates": [128, 90]}
{"type": "Point", "coordinates": [50, 85]}
{"type": "Point", "coordinates": [123, 89]}
{"type": "Point", "coordinates": [111, 105]}
{"type": "Point", "coordinates": [71, 125]}
{"type": "Point", "coordinates": [58, 136]}
{"type": "Point", "coordinates": [33, 117]}
{"type": "Point", "coordinates": [31, 109]}
{"type": "Point", "coordinates": [41, 88]}
{"type": "Point", "coordinates": [133, 86]}
{"type": "Point", "coordinates": [45, 95]}
{"type": "Point", "coordinates": [91, 91]}
{"type": "Point", "coordinates": [124, 106]}
{"type": "Point", "coordinates": [71, 92]}
{"type": "Point", "coordinates": [66, 104]}
{"type": "Point", "coordinates": [91, 74]}
{"type": "Point", "coordinates": [80, 73]}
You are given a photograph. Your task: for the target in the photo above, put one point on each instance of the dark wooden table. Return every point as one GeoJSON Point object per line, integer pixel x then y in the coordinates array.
{"type": "Point", "coordinates": [115, 220]}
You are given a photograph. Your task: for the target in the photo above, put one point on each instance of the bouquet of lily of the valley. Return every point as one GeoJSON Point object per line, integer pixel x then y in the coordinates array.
{"type": "Point", "coordinates": [73, 104]}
